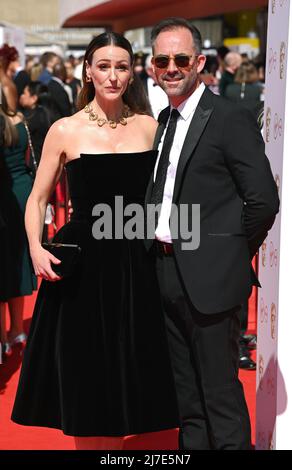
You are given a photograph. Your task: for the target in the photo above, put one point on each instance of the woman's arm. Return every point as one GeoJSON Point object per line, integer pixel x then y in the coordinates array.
{"type": "Point", "coordinates": [48, 174]}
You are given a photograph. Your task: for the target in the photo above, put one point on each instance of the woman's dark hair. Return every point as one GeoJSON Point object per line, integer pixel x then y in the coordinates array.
{"type": "Point", "coordinates": [134, 96]}
{"type": "Point", "coordinates": [170, 24]}
{"type": "Point", "coordinates": [37, 88]}
{"type": "Point", "coordinates": [8, 54]}
{"type": "Point", "coordinates": [246, 73]}
{"type": "Point", "coordinates": [44, 99]}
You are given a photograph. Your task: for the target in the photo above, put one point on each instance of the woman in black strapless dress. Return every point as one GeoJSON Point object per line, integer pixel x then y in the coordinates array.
{"type": "Point", "coordinates": [96, 362]}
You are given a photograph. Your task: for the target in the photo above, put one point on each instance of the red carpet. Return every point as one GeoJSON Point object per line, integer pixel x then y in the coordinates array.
{"type": "Point", "coordinates": [15, 437]}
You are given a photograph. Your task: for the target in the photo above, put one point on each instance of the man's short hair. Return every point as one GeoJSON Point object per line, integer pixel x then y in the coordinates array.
{"type": "Point", "coordinates": [46, 57]}
{"type": "Point", "coordinates": [170, 24]}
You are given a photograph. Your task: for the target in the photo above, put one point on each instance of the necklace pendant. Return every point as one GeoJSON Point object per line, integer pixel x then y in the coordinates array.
{"type": "Point", "coordinates": [92, 116]}
{"type": "Point", "coordinates": [123, 121]}
{"type": "Point", "coordinates": [102, 121]}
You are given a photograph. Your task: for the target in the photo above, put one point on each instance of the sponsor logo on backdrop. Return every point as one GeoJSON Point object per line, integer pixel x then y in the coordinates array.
{"type": "Point", "coordinates": [277, 181]}
{"type": "Point", "coordinates": [278, 126]}
{"type": "Point", "coordinates": [263, 311]}
{"type": "Point", "coordinates": [273, 320]}
{"type": "Point", "coordinates": [282, 3]}
{"type": "Point", "coordinates": [273, 255]}
{"type": "Point", "coordinates": [261, 372]}
{"type": "Point", "coordinates": [282, 59]}
{"type": "Point", "coordinates": [272, 60]}
{"type": "Point", "coordinates": [268, 123]}
{"type": "Point", "coordinates": [264, 252]}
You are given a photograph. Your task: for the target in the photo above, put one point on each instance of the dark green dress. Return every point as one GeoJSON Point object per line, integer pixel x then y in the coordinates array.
{"type": "Point", "coordinates": [17, 277]}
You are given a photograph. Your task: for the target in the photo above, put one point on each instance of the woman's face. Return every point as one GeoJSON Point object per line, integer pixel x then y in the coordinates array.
{"type": "Point", "coordinates": [69, 70]}
{"type": "Point", "coordinates": [110, 72]}
{"type": "Point", "coordinates": [27, 100]}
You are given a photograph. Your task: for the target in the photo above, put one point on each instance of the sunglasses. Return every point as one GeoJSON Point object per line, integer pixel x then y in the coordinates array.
{"type": "Point", "coordinates": [180, 60]}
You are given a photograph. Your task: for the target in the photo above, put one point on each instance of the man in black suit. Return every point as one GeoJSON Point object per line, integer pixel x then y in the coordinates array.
{"type": "Point", "coordinates": [61, 106]}
{"type": "Point", "coordinates": [211, 154]}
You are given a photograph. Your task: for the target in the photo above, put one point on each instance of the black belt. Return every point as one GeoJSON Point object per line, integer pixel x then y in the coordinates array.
{"type": "Point", "coordinates": [164, 249]}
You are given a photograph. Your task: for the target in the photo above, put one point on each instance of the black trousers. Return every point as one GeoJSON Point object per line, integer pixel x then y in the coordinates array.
{"type": "Point", "coordinates": [204, 356]}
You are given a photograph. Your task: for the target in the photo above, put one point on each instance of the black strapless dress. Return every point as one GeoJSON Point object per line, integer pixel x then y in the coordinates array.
{"type": "Point", "coordinates": [96, 361]}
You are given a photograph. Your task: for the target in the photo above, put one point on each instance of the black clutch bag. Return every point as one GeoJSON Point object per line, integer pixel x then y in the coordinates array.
{"type": "Point", "coordinates": [68, 254]}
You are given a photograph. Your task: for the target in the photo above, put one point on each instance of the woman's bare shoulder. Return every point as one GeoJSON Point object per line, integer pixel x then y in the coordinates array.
{"type": "Point", "coordinates": [66, 125]}
{"type": "Point", "coordinates": [147, 119]}
{"type": "Point", "coordinates": [148, 122]}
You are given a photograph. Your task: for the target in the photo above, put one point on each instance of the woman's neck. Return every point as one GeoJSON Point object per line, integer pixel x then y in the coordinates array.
{"type": "Point", "coordinates": [112, 110]}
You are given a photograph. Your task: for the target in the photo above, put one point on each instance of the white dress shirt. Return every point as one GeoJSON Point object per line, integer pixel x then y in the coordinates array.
{"type": "Point", "coordinates": [157, 97]}
{"type": "Point", "coordinates": [186, 109]}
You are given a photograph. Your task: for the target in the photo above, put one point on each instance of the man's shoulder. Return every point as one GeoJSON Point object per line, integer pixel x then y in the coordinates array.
{"type": "Point", "coordinates": [44, 74]}
{"type": "Point", "coordinates": [226, 106]}
{"type": "Point", "coordinates": [163, 115]}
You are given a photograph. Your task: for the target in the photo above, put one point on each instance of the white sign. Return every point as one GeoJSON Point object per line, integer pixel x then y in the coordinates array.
{"type": "Point", "coordinates": [273, 301]}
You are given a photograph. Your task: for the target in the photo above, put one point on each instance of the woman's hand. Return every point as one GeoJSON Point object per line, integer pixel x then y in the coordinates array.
{"type": "Point", "coordinates": [42, 260]}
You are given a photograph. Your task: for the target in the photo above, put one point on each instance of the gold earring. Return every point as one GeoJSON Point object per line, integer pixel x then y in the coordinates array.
{"type": "Point", "coordinates": [131, 80]}
{"type": "Point", "coordinates": [88, 79]}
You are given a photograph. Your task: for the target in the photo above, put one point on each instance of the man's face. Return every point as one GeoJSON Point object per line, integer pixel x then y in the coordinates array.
{"type": "Point", "coordinates": [177, 81]}
{"type": "Point", "coordinates": [54, 61]}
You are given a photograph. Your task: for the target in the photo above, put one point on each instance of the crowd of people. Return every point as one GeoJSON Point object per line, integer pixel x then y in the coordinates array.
{"type": "Point", "coordinates": [160, 324]}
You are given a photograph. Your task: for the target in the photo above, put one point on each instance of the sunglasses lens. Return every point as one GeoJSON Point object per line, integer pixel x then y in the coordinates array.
{"type": "Point", "coordinates": [161, 62]}
{"type": "Point", "coordinates": [182, 60]}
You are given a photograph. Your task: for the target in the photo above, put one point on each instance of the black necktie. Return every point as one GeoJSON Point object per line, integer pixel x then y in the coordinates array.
{"type": "Point", "coordinates": [158, 187]}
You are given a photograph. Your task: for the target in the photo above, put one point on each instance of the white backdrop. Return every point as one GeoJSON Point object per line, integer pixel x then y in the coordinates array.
{"type": "Point", "coordinates": [273, 429]}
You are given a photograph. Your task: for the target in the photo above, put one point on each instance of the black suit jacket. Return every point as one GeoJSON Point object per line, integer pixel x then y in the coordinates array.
{"type": "Point", "coordinates": [61, 106]}
{"type": "Point", "coordinates": [223, 168]}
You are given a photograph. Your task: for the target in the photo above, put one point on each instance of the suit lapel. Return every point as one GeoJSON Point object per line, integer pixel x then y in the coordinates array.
{"type": "Point", "coordinates": [197, 126]}
{"type": "Point", "coordinates": [162, 119]}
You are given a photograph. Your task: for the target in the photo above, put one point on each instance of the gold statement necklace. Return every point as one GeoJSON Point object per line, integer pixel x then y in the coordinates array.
{"type": "Point", "coordinates": [93, 116]}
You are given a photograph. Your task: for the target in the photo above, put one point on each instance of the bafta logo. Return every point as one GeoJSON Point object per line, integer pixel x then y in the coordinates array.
{"type": "Point", "coordinates": [264, 252]}
{"type": "Point", "coordinates": [273, 320]}
{"type": "Point", "coordinates": [261, 371]}
{"type": "Point", "coordinates": [282, 59]}
{"type": "Point", "coordinates": [277, 181]}
{"type": "Point", "coordinates": [268, 123]}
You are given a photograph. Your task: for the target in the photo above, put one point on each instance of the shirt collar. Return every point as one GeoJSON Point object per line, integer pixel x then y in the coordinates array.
{"type": "Point", "coordinates": [188, 107]}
